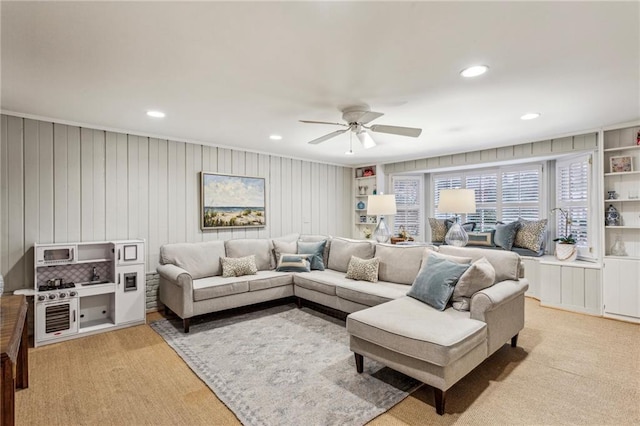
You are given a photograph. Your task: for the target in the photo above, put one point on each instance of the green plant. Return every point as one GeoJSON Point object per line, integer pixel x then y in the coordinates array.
{"type": "Point", "coordinates": [567, 238]}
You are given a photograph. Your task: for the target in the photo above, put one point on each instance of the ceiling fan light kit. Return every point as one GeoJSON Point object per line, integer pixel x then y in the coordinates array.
{"type": "Point", "coordinates": [356, 118]}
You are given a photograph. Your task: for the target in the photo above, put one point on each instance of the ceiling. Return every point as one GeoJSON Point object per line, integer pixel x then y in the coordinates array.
{"type": "Point", "coordinates": [231, 74]}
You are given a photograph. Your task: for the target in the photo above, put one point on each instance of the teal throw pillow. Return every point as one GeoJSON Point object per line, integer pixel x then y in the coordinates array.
{"type": "Point", "coordinates": [316, 250]}
{"type": "Point", "coordinates": [294, 263]}
{"type": "Point", "coordinates": [436, 281]}
{"type": "Point", "coordinates": [506, 234]}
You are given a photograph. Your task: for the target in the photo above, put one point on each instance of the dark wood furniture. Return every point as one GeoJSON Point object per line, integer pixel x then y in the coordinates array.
{"type": "Point", "coordinates": [14, 343]}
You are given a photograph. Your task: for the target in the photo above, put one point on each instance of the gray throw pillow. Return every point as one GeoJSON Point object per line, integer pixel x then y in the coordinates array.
{"type": "Point", "coordinates": [316, 250]}
{"type": "Point", "coordinates": [479, 276]}
{"type": "Point", "coordinates": [293, 263]}
{"type": "Point", "coordinates": [436, 280]}
{"type": "Point", "coordinates": [506, 234]}
{"type": "Point", "coordinates": [280, 247]}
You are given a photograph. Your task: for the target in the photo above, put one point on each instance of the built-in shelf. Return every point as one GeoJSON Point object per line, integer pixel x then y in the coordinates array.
{"type": "Point", "coordinates": [361, 210]}
{"type": "Point", "coordinates": [621, 200]}
{"type": "Point", "coordinates": [622, 173]}
{"type": "Point", "coordinates": [608, 256]}
{"type": "Point", "coordinates": [365, 177]}
{"type": "Point", "coordinates": [366, 223]}
{"type": "Point", "coordinates": [94, 260]}
{"type": "Point", "coordinates": [98, 324]}
{"type": "Point", "coordinates": [623, 148]}
{"type": "Point", "coordinates": [622, 227]}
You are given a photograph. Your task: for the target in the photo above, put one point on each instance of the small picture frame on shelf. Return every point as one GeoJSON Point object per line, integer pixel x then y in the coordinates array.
{"type": "Point", "coordinates": [621, 164]}
{"type": "Point", "coordinates": [363, 219]}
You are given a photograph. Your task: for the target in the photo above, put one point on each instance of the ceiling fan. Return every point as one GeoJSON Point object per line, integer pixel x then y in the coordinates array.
{"type": "Point", "coordinates": [356, 118]}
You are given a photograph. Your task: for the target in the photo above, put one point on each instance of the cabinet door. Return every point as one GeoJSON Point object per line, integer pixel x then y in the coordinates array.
{"type": "Point", "coordinates": [621, 292]}
{"type": "Point", "coordinates": [129, 253]}
{"type": "Point", "coordinates": [130, 293]}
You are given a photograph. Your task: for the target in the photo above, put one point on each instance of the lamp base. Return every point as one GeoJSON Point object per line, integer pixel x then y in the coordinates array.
{"type": "Point", "coordinates": [456, 236]}
{"type": "Point", "coordinates": [382, 233]}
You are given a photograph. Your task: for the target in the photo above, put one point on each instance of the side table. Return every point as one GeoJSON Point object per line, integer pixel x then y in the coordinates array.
{"type": "Point", "coordinates": [14, 344]}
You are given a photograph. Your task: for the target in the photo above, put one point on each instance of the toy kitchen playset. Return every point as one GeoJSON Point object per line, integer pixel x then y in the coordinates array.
{"type": "Point", "coordinates": [87, 288]}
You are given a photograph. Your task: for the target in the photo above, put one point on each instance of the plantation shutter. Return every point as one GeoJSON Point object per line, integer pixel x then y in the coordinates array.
{"type": "Point", "coordinates": [572, 195]}
{"type": "Point", "coordinates": [485, 185]}
{"type": "Point", "coordinates": [408, 193]}
{"type": "Point", "coordinates": [521, 194]}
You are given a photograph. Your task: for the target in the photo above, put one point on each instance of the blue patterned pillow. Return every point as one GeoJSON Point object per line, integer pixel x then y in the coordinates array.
{"type": "Point", "coordinates": [436, 281]}
{"type": "Point", "coordinates": [506, 234]}
{"type": "Point", "coordinates": [316, 250]}
{"type": "Point", "coordinates": [294, 263]}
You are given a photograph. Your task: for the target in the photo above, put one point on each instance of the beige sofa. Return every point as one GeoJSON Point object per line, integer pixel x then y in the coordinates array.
{"type": "Point", "coordinates": [438, 348]}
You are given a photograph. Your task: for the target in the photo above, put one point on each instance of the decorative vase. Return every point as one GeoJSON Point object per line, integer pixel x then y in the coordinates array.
{"type": "Point", "coordinates": [360, 205]}
{"type": "Point", "coordinates": [612, 195]}
{"type": "Point", "coordinates": [612, 217]}
{"type": "Point", "coordinates": [618, 248]}
{"type": "Point", "coordinates": [566, 252]}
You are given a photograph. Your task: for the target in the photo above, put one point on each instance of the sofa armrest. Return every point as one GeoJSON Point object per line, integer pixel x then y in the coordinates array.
{"type": "Point", "coordinates": [172, 273]}
{"type": "Point", "coordinates": [501, 307]}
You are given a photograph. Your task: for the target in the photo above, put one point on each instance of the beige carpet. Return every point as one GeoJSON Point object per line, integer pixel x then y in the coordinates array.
{"type": "Point", "coordinates": [568, 369]}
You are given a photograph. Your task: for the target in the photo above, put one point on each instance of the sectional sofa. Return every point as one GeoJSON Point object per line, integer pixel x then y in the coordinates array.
{"type": "Point", "coordinates": [436, 347]}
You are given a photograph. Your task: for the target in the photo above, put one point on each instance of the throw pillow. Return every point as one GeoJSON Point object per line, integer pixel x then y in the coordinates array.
{"type": "Point", "coordinates": [293, 263]}
{"type": "Point", "coordinates": [457, 259]}
{"type": "Point", "coordinates": [467, 226]}
{"type": "Point", "coordinates": [438, 229]}
{"type": "Point", "coordinates": [316, 250]}
{"type": "Point", "coordinates": [238, 266]}
{"type": "Point", "coordinates": [280, 247]}
{"type": "Point", "coordinates": [506, 234]}
{"type": "Point", "coordinates": [363, 269]}
{"type": "Point", "coordinates": [531, 234]}
{"type": "Point", "coordinates": [480, 275]}
{"type": "Point", "coordinates": [485, 238]}
{"type": "Point", "coordinates": [436, 280]}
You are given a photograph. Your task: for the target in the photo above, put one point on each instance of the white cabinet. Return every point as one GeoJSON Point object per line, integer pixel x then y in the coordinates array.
{"type": "Point", "coordinates": [129, 253]}
{"type": "Point", "coordinates": [130, 293]}
{"type": "Point", "coordinates": [575, 288]}
{"type": "Point", "coordinates": [622, 289]}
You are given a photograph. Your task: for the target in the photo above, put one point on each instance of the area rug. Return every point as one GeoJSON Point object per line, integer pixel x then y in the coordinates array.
{"type": "Point", "coordinates": [286, 366]}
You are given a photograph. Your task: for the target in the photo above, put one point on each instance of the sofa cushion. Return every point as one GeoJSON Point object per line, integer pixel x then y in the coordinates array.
{"type": "Point", "coordinates": [506, 263]}
{"type": "Point", "coordinates": [238, 266]}
{"type": "Point", "coordinates": [280, 247]}
{"type": "Point", "coordinates": [436, 280]}
{"type": "Point", "coordinates": [399, 264]}
{"type": "Point", "coordinates": [439, 253]}
{"type": "Point", "coordinates": [294, 263]}
{"type": "Point", "coordinates": [480, 275]}
{"type": "Point", "coordinates": [531, 234]}
{"type": "Point", "coordinates": [320, 281]}
{"type": "Point", "coordinates": [268, 279]}
{"type": "Point", "coordinates": [310, 238]}
{"type": "Point", "coordinates": [412, 328]}
{"type": "Point", "coordinates": [370, 294]}
{"type": "Point", "coordinates": [199, 259]}
{"type": "Point", "coordinates": [363, 269]}
{"type": "Point", "coordinates": [506, 234]}
{"type": "Point", "coordinates": [212, 287]}
{"type": "Point", "coordinates": [260, 248]}
{"type": "Point", "coordinates": [316, 250]}
{"type": "Point", "coordinates": [343, 248]}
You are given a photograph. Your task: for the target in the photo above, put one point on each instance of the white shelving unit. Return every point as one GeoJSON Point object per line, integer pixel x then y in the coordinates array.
{"type": "Point", "coordinates": [620, 284]}
{"type": "Point", "coordinates": [365, 184]}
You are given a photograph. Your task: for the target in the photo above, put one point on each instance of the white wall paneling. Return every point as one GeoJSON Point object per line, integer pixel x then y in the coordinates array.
{"type": "Point", "coordinates": [63, 183]}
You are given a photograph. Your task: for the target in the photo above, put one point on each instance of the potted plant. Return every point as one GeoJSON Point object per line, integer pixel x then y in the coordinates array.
{"type": "Point", "coordinates": [566, 249]}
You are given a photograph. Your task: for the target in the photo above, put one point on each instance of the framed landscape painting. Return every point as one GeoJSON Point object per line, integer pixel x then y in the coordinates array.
{"type": "Point", "coordinates": [229, 201]}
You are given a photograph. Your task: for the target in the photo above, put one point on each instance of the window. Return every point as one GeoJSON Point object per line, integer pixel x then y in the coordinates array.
{"type": "Point", "coordinates": [502, 193]}
{"type": "Point", "coordinates": [408, 192]}
{"type": "Point", "coordinates": [572, 196]}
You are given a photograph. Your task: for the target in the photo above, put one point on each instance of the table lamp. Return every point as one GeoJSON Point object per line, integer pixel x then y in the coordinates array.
{"type": "Point", "coordinates": [380, 205]}
{"type": "Point", "coordinates": [457, 201]}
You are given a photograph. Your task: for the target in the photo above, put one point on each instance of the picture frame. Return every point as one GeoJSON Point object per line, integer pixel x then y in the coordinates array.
{"type": "Point", "coordinates": [232, 201]}
{"type": "Point", "coordinates": [621, 164]}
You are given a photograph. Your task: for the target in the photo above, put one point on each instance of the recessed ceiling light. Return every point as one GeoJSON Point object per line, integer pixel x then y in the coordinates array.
{"type": "Point", "coordinates": [474, 71]}
{"type": "Point", "coordinates": [275, 137]}
{"type": "Point", "coordinates": [156, 114]}
{"type": "Point", "coordinates": [530, 116]}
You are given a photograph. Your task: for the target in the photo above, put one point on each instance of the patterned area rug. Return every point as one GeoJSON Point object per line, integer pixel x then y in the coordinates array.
{"type": "Point", "coordinates": [286, 366]}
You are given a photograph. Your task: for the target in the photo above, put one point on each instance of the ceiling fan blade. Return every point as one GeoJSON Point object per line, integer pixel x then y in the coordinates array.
{"type": "Point", "coordinates": [365, 139]}
{"type": "Point", "coordinates": [322, 122]}
{"type": "Point", "coordinates": [327, 137]}
{"type": "Point", "coordinates": [396, 130]}
{"type": "Point", "coordinates": [369, 116]}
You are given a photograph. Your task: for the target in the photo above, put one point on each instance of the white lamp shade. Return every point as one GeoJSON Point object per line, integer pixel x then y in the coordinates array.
{"type": "Point", "coordinates": [381, 204]}
{"type": "Point", "coordinates": [457, 201]}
